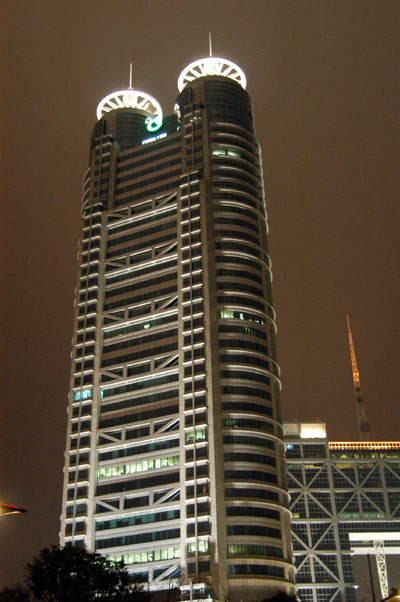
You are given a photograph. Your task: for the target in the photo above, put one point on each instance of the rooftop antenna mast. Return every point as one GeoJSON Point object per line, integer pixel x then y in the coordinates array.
{"type": "Point", "coordinates": [130, 87]}
{"type": "Point", "coordinates": [209, 43]}
{"type": "Point", "coordinates": [363, 426]}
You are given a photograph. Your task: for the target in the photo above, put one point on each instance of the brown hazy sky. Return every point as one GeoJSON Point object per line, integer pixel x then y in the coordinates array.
{"type": "Point", "coordinates": [324, 80]}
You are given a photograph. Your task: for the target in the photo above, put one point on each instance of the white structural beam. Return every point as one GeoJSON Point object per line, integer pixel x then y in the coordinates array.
{"type": "Point", "coordinates": [358, 541]}
{"type": "Point", "coordinates": [381, 566]}
{"type": "Point", "coordinates": [375, 536]}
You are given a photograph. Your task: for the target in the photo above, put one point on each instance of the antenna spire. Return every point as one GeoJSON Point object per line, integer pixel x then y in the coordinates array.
{"type": "Point", "coordinates": [130, 77]}
{"type": "Point", "coordinates": [209, 43]}
{"type": "Point", "coordinates": [363, 426]}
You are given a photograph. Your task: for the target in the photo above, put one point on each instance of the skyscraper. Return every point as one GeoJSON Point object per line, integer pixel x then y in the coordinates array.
{"type": "Point", "coordinates": [175, 456]}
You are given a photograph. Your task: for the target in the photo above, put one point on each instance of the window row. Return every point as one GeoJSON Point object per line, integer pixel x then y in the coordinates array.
{"type": "Point", "coordinates": [138, 519]}
{"type": "Point", "coordinates": [139, 385]}
{"type": "Point", "coordinates": [170, 553]}
{"type": "Point", "coordinates": [250, 475]}
{"type": "Point", "coordinates": [139, 401]}
{"type": "Point", "coordinates": [245, 423]}
{"type": "Point", "coordinates": [138, 285]}
{"type": "Point", "coordinates": [139, 483]}
{"type": "Point", "coordinates": [148, 182]}
{"type": "Point", "coordinates": [167, 410]}
{"type": "Point", "coordinates": [170, 237]}
{"type": "Point", "coordinates": [138, 449]}
{"type": "Point", "coordinates": [138, 341]}
{"type": "Point", "coordinates": [134, 467]}
{"type": "Point", "coordinates": [152, 192]}
{"type": "Point", "coordinates": [121, 303]}
{"type": "Point", "coordinates": [135, 273]}
{"type": "Point", "coordinates": [249, 457]}
{"type": "Point", "coordinates": [243, 549]}
{"type": "Point", "coordinates": [126, 540]}
{"type": "Point", "coordinates": [255, 569]}
{"type": "Point", "coordinates": [149, 170]}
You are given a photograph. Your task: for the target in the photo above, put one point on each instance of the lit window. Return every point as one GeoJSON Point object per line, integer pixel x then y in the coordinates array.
{"type": "Point", "coordinates": [222, 151]}
{"type": "Point", "coordinates": [240, 315]}
{"type": "Point", "coordinates": [202, 546]}
{"type": "Point", "coordinates": [150, 556]}
{"type": "Point", "coordinates": [198, 435]}
{"type": "Point", "coordinates": [83, 394]}
{"type": "Point", "coordinates": [133, 467]}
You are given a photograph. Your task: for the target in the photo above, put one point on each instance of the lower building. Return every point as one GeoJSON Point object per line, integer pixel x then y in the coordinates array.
{"type": "Point", "coordinates": [345, 500]}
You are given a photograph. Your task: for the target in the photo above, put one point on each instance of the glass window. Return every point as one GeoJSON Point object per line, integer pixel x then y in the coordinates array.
{"type": "Point", "coordinates": [255, 569]}
{"type": "Point", "coordinates": [197, 435]}
{"type": "Point", "coordinates": [149, 556]}
{"type": "Point", "coordinates": [248, 440]}
{"type": "Point", "coordinates": [257, 530]}
{"type": "Point", "coordinates": [202, 547]}
{"type": "Point", "coordinates": [254, 550]}
{"type": "Point", "coordinates": [138, 483]}
{"type": "Point", "coordinates": [244, 423]}
{"type": "Point", "coordinates": [249, 457]}
{"type": "Point", "coordinates": [126, 540]}
{"type": "Point", "coordinates": [261, 494]}
{"type": "Point", "coordinates": [82, 394]}
{"type": "Point", "coordinates": [250, 475]}
{"type": "Point", "coordinates": [252, 511]}
{"type": "Point", "coordinates": [241, 315]}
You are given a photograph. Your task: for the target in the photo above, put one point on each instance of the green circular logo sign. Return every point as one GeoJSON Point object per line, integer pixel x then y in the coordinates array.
{"type": "Point", "coordinates": [153, 123]}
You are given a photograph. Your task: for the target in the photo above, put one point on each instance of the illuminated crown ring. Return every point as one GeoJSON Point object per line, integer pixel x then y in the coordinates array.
{"type": "Point", "coordinates": [130, 99]}
{"type": "Point", "coordinates": [211, 65]}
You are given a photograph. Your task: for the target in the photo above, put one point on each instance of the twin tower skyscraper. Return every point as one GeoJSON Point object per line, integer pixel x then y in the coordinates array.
{"type": "Point", "coordinates": [175, 457]}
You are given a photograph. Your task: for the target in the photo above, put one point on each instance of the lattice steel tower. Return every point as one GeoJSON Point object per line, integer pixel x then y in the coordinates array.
{"type": "Point", "coordinates": [175, 454]}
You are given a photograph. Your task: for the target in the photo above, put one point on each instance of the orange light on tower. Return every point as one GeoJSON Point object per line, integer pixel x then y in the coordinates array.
{"type": "Point", "coordinates": [363, 426]}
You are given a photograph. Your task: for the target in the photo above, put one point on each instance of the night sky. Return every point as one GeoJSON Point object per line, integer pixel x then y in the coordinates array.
{"type": "Point", "coordinates": [324, 80]}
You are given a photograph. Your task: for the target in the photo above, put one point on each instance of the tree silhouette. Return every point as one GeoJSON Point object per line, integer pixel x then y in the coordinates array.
{"type": "Point", "coordinates": [14, 594]}
{"type": "Point", "coordinates": [74, 574]}
{"type": "Point", "coordinates": [279, 597]}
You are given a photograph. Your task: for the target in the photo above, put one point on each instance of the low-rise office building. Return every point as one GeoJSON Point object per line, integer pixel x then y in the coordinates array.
{"type": "Point", "coordinates": [345, 500]}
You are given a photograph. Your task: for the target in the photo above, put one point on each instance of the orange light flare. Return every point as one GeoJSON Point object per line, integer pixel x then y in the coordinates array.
{"type": "Point", "coordinates": [7, 509]}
